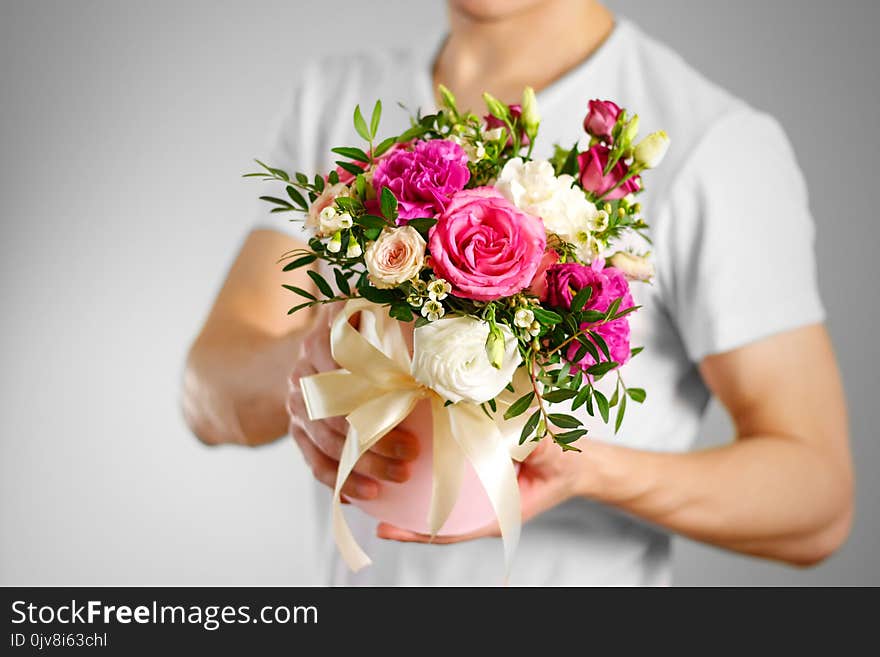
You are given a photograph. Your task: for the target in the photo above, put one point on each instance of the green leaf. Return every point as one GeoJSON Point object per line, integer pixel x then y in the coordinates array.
{"type": "Point", "coordinates": [492, 405]}
{"type": "Point", "coordinates": [636, 351]}
{"type": "Point", "coordinates": [612, 308]}
{"type": "Point", "coordinates": [333, 177]}
{"type": "Point", "coordinates": [570, 166]}
{"type": "Point", "coordinates": [422, 224]}
{"type": "Point", "coordinates": [570, 436]}
{"type": "Point", "coordinates": [376, 295]}
{"type": "Point", "coordinates": [353, 169]}
{"type": "Point", "coordinates": [580, 299]}
{"type": "Point", "coordinates": [319, 182]}
{"type": "Point", "coordinates": [374, 119]}
{"type": "Point", "coordinates": [301, 292]}
{"type": "Point", "coordinates": [372, 233]}
{"type": "Point", "coordinates": [638, 395]}
{"type": "Point", "coordinates": [592, 316]}
{"type": "Point", "coordinates": [388, 203]}
{"type": "Point", "coordinates": [370, 221]}
{"type": "Point", "coordinates": [555, 396]}
{"type": "Point", "coordinates": [625, 312]}
{"type": "Point", "coordinates": [300, 307]}
{"type": "Point", "coordinates": [301, 178]}
{"type": "Point", "coordinates": [412, 133]}
{"type": "Point", "coordinates": [602, 344]}
{"type": "Point", "coordinates": [601, 368]}
{"type": "Point", "coordinates": [401, 311]}
{"type": "Point", "coordinates": [546, 317]}
{"type": "Point", "coordinates": [520, 406]}
{"type": "Point", "coordinates": [564, 421]}
{"type": "Point", "coordinates": [360, 185]}
{"type": "Point", "coordinates": [581, 398]}
{"type": "Point", "coordinates": [383, 146]}
{"type": "Point", "coordinates": [276, 200]}
{"type": "Point", "coordinates": [300, 262]}
{"type": "Point", "coordinates": [323, 285]}
{"type": "Point", "coordinates": [351, 153]}
{"type": "Point", "coordinates": [620, 411]}
{"type": "Point", "coordinates": [614, 398]}
{"type": "Point", "coordinates": [284, 209]}
{"type": "Point", "coordinates": [359, 124]}
{"type": "Point", "coordinates": [602, 403]}
{"type": "Point", "coordinates": [529, 426]}
{"type": "Point", "coordinates": [296, 197]}
{"type": "Point", "coordinates": [590, 347]}
{"type": "Point", "coordinates": [342, 282]}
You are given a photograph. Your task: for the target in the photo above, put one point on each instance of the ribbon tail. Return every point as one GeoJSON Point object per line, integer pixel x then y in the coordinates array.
{"type": "Point", "coordinates": [448, 468]}
{"type": "Point", "coordinates": [484, 447]}
{"type": "Point", "coordinates": [338, 392]}
{"type": "Point", "coordinates": [367, 425]}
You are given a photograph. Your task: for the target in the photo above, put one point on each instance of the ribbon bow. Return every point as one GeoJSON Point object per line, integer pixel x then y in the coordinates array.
{"type": "Point", "coordinates": [375, 390]}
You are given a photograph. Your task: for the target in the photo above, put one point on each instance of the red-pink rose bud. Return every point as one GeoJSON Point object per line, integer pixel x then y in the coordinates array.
{"type": "Point", "coordinates": [601, 117]}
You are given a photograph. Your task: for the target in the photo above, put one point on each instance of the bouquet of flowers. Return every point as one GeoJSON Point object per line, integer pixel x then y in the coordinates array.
{"type": "Point", "coordinates": [513, 271]}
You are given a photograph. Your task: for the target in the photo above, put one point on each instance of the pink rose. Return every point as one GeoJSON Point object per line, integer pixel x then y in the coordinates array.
{"type": "Point", "coordinates": [600, 119]}
{"type": "Point", "coordinates": [424, 178]}
{"type": "Point", "coordinates": [592, 166]}
{"type": "Point", "coordinates": [608, 284]}
{"type": "Point", "coordinates": [493, 122]}
{"type": "Point", "coordinates": [538, 286]}
{"type": "Point", "coordinates": [485, 246]}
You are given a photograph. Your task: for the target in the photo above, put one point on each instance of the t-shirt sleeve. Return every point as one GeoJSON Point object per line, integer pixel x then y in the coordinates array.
{"type": "Point", "coordinates": [291, 147]}
{"type": "Point", "coordinates": [738, 261]}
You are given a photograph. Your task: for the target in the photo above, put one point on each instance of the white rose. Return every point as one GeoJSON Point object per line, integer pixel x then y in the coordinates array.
{"type": "Point", "coordinates": [533, 188]}
{"type": "Point", "coordinates": [449, 357]}
{"type": "Point", "coordinates": [397, 255]}
{"type": "Point", "coordinates": [325, 200]}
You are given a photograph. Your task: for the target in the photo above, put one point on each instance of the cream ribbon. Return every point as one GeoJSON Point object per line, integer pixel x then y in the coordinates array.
{"type": "Point", "coordinates": [375, 390]}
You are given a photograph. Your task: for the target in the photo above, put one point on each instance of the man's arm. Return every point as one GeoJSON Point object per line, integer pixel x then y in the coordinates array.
{"type": "Point", "coordinates": [235, 382]}
{"type": "Point", "coordinates": [783, 490]}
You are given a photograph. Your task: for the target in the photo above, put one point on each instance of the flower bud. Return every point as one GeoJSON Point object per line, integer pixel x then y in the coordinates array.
{"type": "Point", "coordinates": [631, 129]}
{"type": "Point", "coordinates": [650, 151]}
{"type": "Point", "coordinates": [530, 116]}
{"type": "Point", "coordinates": [496, 107]}
{"type": "Point", "coordinates": [495, 346]}
{"type": "Point", "coordinates": [447, 97]}
{"type": "Point", "coordinates": [635, 268]}
{"type": "Point", "coordinates": [354, 248]}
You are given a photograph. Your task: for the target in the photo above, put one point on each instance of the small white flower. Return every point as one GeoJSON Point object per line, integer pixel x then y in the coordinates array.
{"type": "Point", "coordinates": [438, 289]}
{"type": "Point", "coordinates": [433, 310]}
{"type": "Point", "coordinates": [535, 328]}
{"type": "Point", "coordinates": [523, 317]}
{"type": "Point", "coordinates": [493, 135]}
{"type": "Point", "coordinates": [335, 243]}
{"type": "Point", "coordinates": [345, 220]}
{"type": "Point", "coordinates": [479, 151]}
{"type": "Point", "coordinates": [415, 300]}
{"type": "Point", "coordinates": [328, 221]}
{"type": "Point", "coordinates": [599, 222]}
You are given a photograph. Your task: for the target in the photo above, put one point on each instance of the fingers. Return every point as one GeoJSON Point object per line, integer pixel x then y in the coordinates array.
{"type": "Point", "coordinates": [398, 444]}
{"type": "Point", "coordinates": [370, 464]}
{"type": "Point", "coordinates": [390, 532]}
{"type": "Point", "coordinates": [324, 469]}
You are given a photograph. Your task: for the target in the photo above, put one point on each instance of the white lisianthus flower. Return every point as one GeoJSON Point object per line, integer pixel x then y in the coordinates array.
{"type": "Point", "coordinates": [449, 357]}
{"type": "Point", "coordinates": [652, 149]}
{"type": "Point", "coordinates": [533, 188]}
{"type": "Point", "coordinates": [397, 255]}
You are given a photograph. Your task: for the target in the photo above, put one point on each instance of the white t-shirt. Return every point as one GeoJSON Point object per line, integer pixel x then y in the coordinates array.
{"type": "Point", "coordinates": [733, 250]}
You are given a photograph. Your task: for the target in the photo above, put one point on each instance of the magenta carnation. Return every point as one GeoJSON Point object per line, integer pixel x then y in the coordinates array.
{"type": "Point", "coordinates": [593, 178]}
{"type": "Point", "coordinates": [485, 246]}
{"type": "Point", "coordinates": [424, 178]}
{"type": "Point", "coordinates": [608, 284]}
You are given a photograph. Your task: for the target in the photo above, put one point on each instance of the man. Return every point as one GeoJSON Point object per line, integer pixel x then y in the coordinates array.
{"type": "Point", "coordinates": [734, 312]}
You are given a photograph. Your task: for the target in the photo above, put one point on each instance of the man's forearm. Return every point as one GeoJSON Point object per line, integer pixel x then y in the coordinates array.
{"type": "Point", "coordinates": [768, 496]}
{"type": "Point", "coordinates": [235, 385]}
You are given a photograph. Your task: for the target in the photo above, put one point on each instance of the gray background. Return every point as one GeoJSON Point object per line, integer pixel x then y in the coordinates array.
{"type": "Point", "coordinates": [123, 129]}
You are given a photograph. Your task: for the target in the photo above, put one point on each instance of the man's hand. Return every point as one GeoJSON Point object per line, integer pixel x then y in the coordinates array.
{"type": "Point", "coordinates": [321, 441]}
